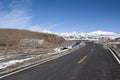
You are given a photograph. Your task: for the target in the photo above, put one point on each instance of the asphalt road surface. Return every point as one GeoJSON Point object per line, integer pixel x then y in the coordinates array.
{"type": "Point", "coordinates": [92, 62]}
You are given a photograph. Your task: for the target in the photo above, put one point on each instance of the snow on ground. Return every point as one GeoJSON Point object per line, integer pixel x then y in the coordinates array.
{"type": "Point", "coordinates": [16, 58]}
{"type": "Point", "coordinates": [58, 50]}
{"type": "Point", "coordinates": [12, 62]}
{"type": "Point", "coordinates": [1, 57]}
{"type": "Point", "coordinates": [61, 49]}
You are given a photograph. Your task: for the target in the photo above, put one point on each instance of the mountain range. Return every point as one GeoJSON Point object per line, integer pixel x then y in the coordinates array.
{"type": "Point", "coordinates": [96, 35]}
{"type": "Point", "coordinates": [90, 36]}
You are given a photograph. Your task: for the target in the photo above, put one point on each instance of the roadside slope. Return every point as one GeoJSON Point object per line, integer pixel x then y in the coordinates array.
{"type": "Point", "coordinates": [17, 39]}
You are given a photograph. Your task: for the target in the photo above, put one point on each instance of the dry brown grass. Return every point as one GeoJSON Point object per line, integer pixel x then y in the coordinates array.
{"type": "Point", "coordinates": [10, 38]}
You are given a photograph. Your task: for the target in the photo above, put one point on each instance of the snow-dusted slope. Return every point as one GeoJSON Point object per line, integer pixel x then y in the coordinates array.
{"type": "Point", "coordinates": [90, 36]}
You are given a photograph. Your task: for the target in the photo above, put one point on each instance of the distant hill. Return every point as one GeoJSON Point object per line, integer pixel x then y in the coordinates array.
{"type": "Point", "coordinates": [14, 37]}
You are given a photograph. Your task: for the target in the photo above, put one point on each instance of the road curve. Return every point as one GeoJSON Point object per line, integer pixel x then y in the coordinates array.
{"type": "Point", "coordinates": [91, 62]}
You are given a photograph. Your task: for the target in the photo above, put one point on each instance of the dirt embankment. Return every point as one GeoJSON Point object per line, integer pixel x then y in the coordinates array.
{"type": "Point", "coordinates": [15, 39]}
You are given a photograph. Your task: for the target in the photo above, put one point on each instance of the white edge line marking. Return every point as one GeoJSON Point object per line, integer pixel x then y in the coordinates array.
{"type": "Point", "coordinates": [114, 55]}
{"type": "Point", "coordinates": [52, 58]}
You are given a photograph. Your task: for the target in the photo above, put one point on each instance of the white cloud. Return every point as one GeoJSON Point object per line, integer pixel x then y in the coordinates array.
{"type": "Point", "coordinates": [16, 17]}
{"type": "Point", "coordinates": [52, 26]}
{"type": "Point", "coordinates": [47, 31]}
{"type": "Point", "coordinates": [43, 28]}
{"type": "Point", "coordinates": [36, 28]}
{"type": "Point", "coordinates": [20, 4]}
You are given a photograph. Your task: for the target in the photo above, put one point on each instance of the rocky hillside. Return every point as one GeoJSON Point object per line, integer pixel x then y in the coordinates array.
{"type": "Point", "coordinates": [15, 38]}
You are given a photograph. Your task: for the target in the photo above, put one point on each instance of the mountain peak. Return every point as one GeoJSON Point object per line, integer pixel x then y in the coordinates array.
{"type": "Point", "coordinates": [99, 32]}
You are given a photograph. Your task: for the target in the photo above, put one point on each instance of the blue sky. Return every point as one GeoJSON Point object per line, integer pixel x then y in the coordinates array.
{"type": "Point", "coordinates": [61, 15]}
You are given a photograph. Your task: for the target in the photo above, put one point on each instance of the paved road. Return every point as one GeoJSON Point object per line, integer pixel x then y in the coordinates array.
{"type": "Point", "coordinates": [91, 62]}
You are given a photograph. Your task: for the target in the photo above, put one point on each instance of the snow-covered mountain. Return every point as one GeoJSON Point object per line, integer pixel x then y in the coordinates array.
{"type": "Point", "coordinates": [90, 36]}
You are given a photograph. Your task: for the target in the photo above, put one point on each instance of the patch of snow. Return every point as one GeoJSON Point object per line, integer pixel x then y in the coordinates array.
{"type": "Point", "coordinates": [2, 57]}
{"type": "Point", "coordinates": [12, 62]}
{"type": "Point", "coordinates": [58, 50]}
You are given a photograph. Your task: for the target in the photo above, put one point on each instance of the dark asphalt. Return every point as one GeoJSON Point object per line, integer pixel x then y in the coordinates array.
{"type": "Point", "coordinates": [99, 64]}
